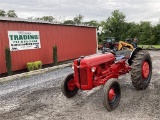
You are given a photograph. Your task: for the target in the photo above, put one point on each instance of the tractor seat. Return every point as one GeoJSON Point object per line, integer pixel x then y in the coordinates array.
{"type": "Point", "coordinates": [124, 54]}
{"type": "Point", "coordinates": [119, 57]}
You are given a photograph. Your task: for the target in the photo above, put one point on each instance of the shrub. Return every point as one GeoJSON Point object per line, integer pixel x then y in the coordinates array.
{"type": "Point", "coordinates": [37, 65]}
{"type": "Point", "coordinates": [8, 60]}
{"type": "Point", "coordinates": [55, 58]}
{"type": "Point", "coordinates": [34, 65]}
{"type": "Point", "coordinates": [30, 66]}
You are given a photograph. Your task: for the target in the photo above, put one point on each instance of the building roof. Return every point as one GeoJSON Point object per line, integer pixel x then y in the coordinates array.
{"type": "Point", "coordinates": [37, 21]}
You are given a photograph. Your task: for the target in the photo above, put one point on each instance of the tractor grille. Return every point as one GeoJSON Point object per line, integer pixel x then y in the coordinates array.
{"type": "Point", "coordinates": [83, 76]}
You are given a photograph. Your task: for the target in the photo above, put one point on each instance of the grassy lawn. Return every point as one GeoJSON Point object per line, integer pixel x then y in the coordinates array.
{"type": "Point", "coordinates": [146, 46]}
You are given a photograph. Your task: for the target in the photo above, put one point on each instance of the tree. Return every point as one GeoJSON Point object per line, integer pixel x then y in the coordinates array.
{"type": "Point", "coordinates": [132, 30]}
{"type": "Point", "coordinates": [8, 60]}
{"type": "Point", "coordinates": [47, 18]}
{"type": "Point", "coordinates": [91, 23]}
{"type": "Point", "coordinates": [2, 13]}
{"type": "Point", "coordinates": [78, 20]}
{"type": "Point", "coordinates": [103, 25]}
{"type": "Point", "coordinates": [69, 22]}
{"type": "Point", "coordinates": [101, 31]}
{"type": "Point", "coordinates": [114, 26]}
{"type": "Point", "coordinates": [145, 33]}
{"type": "Point", "coordinates": [11, 13]}
{"type": "Point", "coordinates": [31, 18]}
{"type": "Point", "coordinates": [156, 31]}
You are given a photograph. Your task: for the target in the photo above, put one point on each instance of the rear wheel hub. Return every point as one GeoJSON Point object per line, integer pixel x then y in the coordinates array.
{"type": "Point", "coordinates": [145, 70]}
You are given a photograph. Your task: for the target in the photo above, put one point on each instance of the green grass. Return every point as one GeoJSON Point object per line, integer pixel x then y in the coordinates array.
{"type": "Point", "coordinates": [146, 46]}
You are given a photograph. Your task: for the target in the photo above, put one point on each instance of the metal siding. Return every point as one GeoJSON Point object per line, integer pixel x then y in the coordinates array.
{"type": "Point", "coordinates": [45, 47]}
{"type": "Point", "coordinates": [49, 43]}
{"type": "Point", "coordinates": [59, 43]}
{"type": "Point", "coordinates": [4, 38]}
{"type": "Point", "coordinates": [54, 40]}
{"type": "Point", "coordinates": [23, 53]}
{"type": "Point", "coordinates": [71, 41]}
{"type": "Point", "coordinates": [2, 55]}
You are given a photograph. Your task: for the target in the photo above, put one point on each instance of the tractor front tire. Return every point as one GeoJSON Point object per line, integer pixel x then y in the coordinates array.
{"type": "Point", "coordinates": [68, 86]}
{"type": "Point", "coordinates": [112, 94]}
{"type": "Point", "coordinates": [141, 71]}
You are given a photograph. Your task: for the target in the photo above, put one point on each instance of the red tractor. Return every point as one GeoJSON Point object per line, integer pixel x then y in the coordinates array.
{"type": "Point", "coordinates": [110, 43]}
{"type": "Point", "coordinates": [104, 69]}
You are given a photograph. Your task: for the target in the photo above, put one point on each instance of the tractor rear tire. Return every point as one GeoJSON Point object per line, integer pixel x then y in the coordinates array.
{"type": "Point", "coordinates": [141, 71]}
{"type": "Point", "coordinates": [68, 86]}
{"type": "Point", "coordinates": [112, 94]}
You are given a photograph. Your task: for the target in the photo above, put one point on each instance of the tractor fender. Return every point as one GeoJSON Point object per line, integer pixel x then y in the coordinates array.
{"type": "Point", "coordinates": [134, 52]}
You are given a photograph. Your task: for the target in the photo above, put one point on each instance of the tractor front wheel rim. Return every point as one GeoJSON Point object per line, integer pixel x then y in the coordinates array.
{"type": "Point", "coordinates": [71, 85]}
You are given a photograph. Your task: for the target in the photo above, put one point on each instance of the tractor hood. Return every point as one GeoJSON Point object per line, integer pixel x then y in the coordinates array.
{"type": "Point", "coordinates": [96, 59]}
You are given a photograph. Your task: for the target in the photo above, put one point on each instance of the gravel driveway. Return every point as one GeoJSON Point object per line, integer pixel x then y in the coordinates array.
{"type": "Point", "coordinates": [39, 97]}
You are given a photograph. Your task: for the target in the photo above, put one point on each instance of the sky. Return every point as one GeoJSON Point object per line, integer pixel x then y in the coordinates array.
{"type": "Point", "coordinates": [100, 10]}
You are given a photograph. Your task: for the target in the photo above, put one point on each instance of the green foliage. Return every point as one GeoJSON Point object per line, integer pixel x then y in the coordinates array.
{"type": "Point", "coordinates": [78, 19]}
{"type": "Point", "coordinates": [37, 65]}
{"type": "Point", "coordinates": [156, 31]}
{"type": "Point", "coordinates": [55, 58]}
{"type": "Point", "coordinates": [132, 30]}
{"type": "Point", "coordinates": [30, 66]}
{"type": "Point", "coordinates": [69, 22]}
{"type": "Point", "coordinates": [91, 23]}
{"type": "Point", "coordinates": [2, 13]}
{"type": "Point", "coordinates": [115, 25]}
{"type": "Point", "coordinates": [47, 18]}
{"type": "Point", "coordinates": [148, 46]}
{"type": "Point", "coordinates": [11, 13]}
{"type": "Point", "coordinates": [101, 37]}
{"type": "Point", "coordinates": [8, 60]}
{"type": "Point", "coordinates": [34, 65]}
